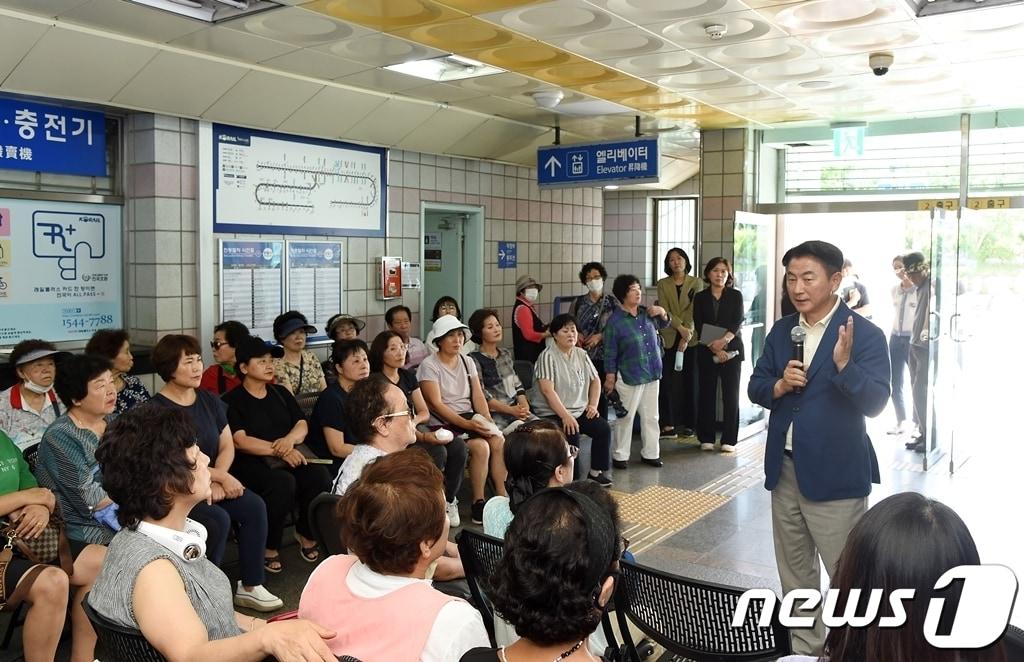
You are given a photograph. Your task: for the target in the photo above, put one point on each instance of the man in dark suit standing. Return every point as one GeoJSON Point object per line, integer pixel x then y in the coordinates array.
{"type": "Point", "coordinates": [916, 268]}
{"type": "Point", "coordinates": [819, 464]}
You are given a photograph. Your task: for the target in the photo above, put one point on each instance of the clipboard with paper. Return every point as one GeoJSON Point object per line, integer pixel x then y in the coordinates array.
{"type": "Point", "coordinates": [709, 333]}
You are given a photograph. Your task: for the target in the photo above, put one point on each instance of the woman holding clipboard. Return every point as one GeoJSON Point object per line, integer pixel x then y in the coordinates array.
{"type": "Point", "coordinates": [717, 317]}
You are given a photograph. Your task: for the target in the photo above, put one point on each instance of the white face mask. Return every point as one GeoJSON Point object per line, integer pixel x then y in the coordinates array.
{"type": "Point", "coordinates": [531, 293]}
{"type": "Point", "coordinates": [595, 285]}
{"type": "Point", "coordinates": [35, 388]}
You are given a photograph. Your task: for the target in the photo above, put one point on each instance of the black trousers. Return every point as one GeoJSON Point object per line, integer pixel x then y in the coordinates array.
{"type": "Point", "coordinates": [282, 490]}
{"type": "Point", "coordinates": [677, 397]}
{"type": "Point", "coordinates": [709, 375]}
{"type": "Point", "coordinates": [919, 386]}
{"type": "Point", "coordinates": [600, 434]}
{"type": "Point", "coordinates": [451, 459]}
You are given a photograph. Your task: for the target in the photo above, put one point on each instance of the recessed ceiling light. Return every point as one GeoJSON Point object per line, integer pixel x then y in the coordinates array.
{"type": "Point", "coordinates": [611, 187]}
{"type": "Point", "coordinates": [211, 11]}
{"type": "Point", "coordinates": [445, 68]}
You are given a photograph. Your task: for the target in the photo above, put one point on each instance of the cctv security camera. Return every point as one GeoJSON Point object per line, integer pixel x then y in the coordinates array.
{"type": "Point", "coordinates": [880, 63]}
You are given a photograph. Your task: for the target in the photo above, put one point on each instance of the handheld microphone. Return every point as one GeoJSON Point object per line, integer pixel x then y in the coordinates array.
{"type": "Point", "coordinates": [798, 336]}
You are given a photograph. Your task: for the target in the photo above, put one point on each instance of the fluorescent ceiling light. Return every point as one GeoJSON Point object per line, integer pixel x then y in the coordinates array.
{"type": "Point", "coordinates": [445, 68]}
{"type": "Point", "coordinates": [924, 8]}
{"type": "Point", "coordinates": [211, 11]}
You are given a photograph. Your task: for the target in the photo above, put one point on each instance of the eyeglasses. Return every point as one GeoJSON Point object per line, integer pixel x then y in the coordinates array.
{"type": "Point", "coordinates": [217, 344]}
{"type": "Point", "coordinates": [396, 414]}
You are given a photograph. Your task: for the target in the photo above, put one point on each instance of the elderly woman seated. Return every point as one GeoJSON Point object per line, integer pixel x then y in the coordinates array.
{"type": "Point", "coordinates": [378, 600]}
{"type": "Point", "coordinates": [221, 377]}
{"type": "Point", "coordinates": [45, 588]}
{"type": "Point", "coordinates": [506, 396]}
{"type": "Point", "coordinates": [28, 407]}
{"type": "Point", "coordinates": [115, 346]}
{"type": "Point", "coordinates": [556, 574]}
{"type": "Point", "coordinates": [156, 577]}
{"type": "Point", "coordinates": [67, 454]}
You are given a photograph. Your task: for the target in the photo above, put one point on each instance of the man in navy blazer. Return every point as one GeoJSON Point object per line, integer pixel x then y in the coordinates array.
{"type": "Point", "coordinates": [819, 463]}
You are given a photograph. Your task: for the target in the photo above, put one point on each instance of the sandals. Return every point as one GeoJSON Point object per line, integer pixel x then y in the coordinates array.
{"type": "Point", "coordinates": [309, 554]}
{"type": "Point", "coordinates": [272, 564]}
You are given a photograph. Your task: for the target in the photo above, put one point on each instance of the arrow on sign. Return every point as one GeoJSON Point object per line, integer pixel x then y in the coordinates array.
{"type": "Point", "coordinates": [552, 162]}
{"type": "Point", "coordinates": [501, 255]}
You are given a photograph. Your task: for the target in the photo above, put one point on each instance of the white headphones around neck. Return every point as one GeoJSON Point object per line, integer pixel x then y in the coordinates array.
{"type": "Point", "coordinates": [188, 545]}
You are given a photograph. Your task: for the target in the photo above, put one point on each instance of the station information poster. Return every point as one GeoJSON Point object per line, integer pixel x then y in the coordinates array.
{"type": "Point", "coordinates": [252, 284]}
{"type": "Point", "coordinates": [60, 270]}
{"type": "Point", "coordinates": [315, 273]}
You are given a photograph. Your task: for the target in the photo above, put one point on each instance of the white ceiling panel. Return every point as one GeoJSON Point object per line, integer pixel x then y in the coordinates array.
{"type": "Point", "coordinates": [443, 93]}
{"type": "Point", "coordinates": [622, 43]}
{"type": "Point", "coordinates": [527, 153]}
{"type": "Point", "coordinates": [825, 15]}
{"type": "Point", "coordinates": [379, 50]}
{"type": "Point", "coordinates": [774, 73]}
{"type": "Point", "coordinates": [315, 64]}
{"type": "Point", "coordinates": [233, 44]}
{"type": "Point", "coordinates": [51, 8]}
{"type": "Point", "coordinates": [867, 39]}
{"type": "Point", "coordinates": [1006, 23]}
{"type": "Point", "coordinates": [391, 122]}
{"type": "Point", "coordinates": [19, 37]}
{"type": "Point", "coordinates": [496, 136]}
{"type": "Point", "coordinates": [296, 26]}
{"type": "Point", "coordinates": [179, 84]}
{"type": "Point", "coordinates": [645, 12]}
{"type": "Point", "coordinates": [747, 53]}
{"type": "Point", "coordinates": [134, 20]}
{"type": "Point", "coordinates": [700, 80]}
{"type": "Point", "coordinates": [903, 58]}
{"type": "Point", "coordinates": [248, 102]}
{"type": "Point", "coordinates": [65, 63]}
{"type": "Point", "coordinates": [331, 112]}
{"type": "Point", "coordinates": [503, 84]}
{"type": "Point", "coordinates": [720, 95]}
{"type": "Point", "coordinates": [740, 26]}
{"type": "Point", "coordinates": [441, 130]}
{"type": "Point", "coordinates": [556, 19]}
{"type": "Point", "coordinates": [654, 66]}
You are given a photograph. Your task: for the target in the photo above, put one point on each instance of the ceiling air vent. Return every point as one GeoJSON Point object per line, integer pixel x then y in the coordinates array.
{"type": "Point", "coordinates": [925, 8]}
{"type": "Point", "coordinates": [211, 11]}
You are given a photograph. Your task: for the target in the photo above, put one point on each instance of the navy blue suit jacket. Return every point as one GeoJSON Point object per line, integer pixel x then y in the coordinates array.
{"type": "Point", "coordinates": [831, 449]}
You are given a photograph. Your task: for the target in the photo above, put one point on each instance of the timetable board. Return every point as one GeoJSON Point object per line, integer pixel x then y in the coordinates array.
{"type": "Point", "coordinates": [315, 277]}
{"type": "Point", "coordinates": [252, 283]}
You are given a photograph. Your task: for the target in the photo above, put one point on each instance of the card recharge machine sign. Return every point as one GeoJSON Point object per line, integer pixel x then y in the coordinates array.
{"type": "Point", "coordinates": [389, 278]}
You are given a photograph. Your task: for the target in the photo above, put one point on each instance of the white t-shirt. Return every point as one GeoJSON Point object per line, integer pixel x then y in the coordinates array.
{"type": "Point", "coordinates": [457, 629]}
{"type": "Point", "coordinates": [453, 384]}
{"type": "Point", "coordinates": [571, 376]}
{"type": "Point", "coordinates": [352, 467]}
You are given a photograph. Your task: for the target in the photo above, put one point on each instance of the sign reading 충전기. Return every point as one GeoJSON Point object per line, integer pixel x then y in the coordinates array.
{"type": "Point", "coordinates": [627, 161]}
{"type": "Point", "coordinates": [43, 138]}
{"type": "Point", "coordinates": [60, 269]}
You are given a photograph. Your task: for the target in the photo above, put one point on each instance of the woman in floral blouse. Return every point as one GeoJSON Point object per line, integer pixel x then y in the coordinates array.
{"type": "Point", "coordinates": [115, 346]}
{"type": "Point", "coordinates": [299, 370]}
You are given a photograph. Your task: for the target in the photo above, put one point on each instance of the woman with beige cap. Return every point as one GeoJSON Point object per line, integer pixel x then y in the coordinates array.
{"type": "Point", "coordinates": [528, 331]}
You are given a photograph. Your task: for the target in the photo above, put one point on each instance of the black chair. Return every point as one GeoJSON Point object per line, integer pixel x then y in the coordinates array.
{"type": "Point", "coordinates": [692, 619]}
{"type": "Point", "coordinates": [524, 369]}
{"type": "Point", "coordinates": [480, 555]}
{"type": "Point", "coordinates": [324, 524]}
{"type": "Point", "coordinates": [1013, 643]}
{"type": "Point", "coordinates": [120, 644]}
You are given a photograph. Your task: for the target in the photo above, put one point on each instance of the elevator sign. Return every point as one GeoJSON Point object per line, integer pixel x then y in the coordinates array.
{"type": "Point", "coordinates": [630, 162]}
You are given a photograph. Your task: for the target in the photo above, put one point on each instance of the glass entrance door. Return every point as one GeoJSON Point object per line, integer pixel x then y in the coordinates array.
{"type": "Point", "coordinates": [753, 251]}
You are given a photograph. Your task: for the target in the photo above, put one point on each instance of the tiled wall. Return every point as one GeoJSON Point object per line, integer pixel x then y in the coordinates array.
{"type": "Point", "coordinates": [629, 229]}
{"type": "Point", "coordinates": [556, 230]}
{"type": "Point", "coordinates": [727, 186]}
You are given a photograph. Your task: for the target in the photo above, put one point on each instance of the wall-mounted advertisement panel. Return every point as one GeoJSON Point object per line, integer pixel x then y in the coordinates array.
{"type": "Point", "coordinates": [273, 183]}
{"type": "Point", "coordinates": [60, 270]}
{"type": "Point", "coordinates": [315, 281]}
{"type": "Point", "coordinates": [252, 284]}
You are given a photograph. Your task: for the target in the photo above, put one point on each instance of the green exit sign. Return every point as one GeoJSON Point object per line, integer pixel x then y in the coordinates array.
{"type": "Point", "coordinates": [848, 141]}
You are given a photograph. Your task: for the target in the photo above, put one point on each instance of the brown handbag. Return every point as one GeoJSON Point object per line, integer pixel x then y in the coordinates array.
{"type": "Point", "coordinates": [49, 546]}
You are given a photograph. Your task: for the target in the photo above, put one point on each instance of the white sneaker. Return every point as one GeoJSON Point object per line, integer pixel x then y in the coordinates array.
{"type": "Point", "coordinates": [707, 447]}
{"type": "Point", "coordinates": [728, 448]}
{"type": "Point", "coordinates": [259, 598]}
{"type": "Point", "coordinates": [452, 509]}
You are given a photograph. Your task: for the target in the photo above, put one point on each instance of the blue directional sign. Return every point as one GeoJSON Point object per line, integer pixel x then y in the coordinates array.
{"type": "Point", "coordinates": [507, 255]}
{"type": "Point", "coordinates": [630, 161]}
{"type": "Point", "coordinates": [44, 138]}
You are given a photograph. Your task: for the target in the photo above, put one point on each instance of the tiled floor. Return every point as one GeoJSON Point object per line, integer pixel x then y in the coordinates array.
{"type": "Point", "coordinates": [707, 515]}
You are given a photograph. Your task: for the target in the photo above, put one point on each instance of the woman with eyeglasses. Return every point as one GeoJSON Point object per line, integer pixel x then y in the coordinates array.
{"type": "Point", "coordinates": [387, 357]}
{"type": "Point", "coordinates": [537, 457]}
{"type": "Point", "coordinates": [221, 377]}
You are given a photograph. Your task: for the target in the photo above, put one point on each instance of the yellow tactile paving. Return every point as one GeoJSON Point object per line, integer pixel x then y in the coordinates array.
{"type": "Point", "coordinates": [667, 507]}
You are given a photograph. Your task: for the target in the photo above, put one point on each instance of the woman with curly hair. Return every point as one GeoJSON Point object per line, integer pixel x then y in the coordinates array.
{"type": "Point", "coordinates": [115, 346]}
{"type": "Point", "coordinates": [556, 575]}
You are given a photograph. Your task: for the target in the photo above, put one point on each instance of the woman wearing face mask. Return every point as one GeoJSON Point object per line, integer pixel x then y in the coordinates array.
{"type": "Point", "coordinates": [591, 312]}
{"type": "Point", "coordinates": [298, 370]}
{"type": "Point", "coordinates": [115, 346]}
{"type": "Point", "coordinates": [678, 395]}
{"type": "Point", "coordinates": [220, 378]}
{"type": "Point", "coordinates": [28, 407]}
{"type": "Point", "coordinates": [528, 331]}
